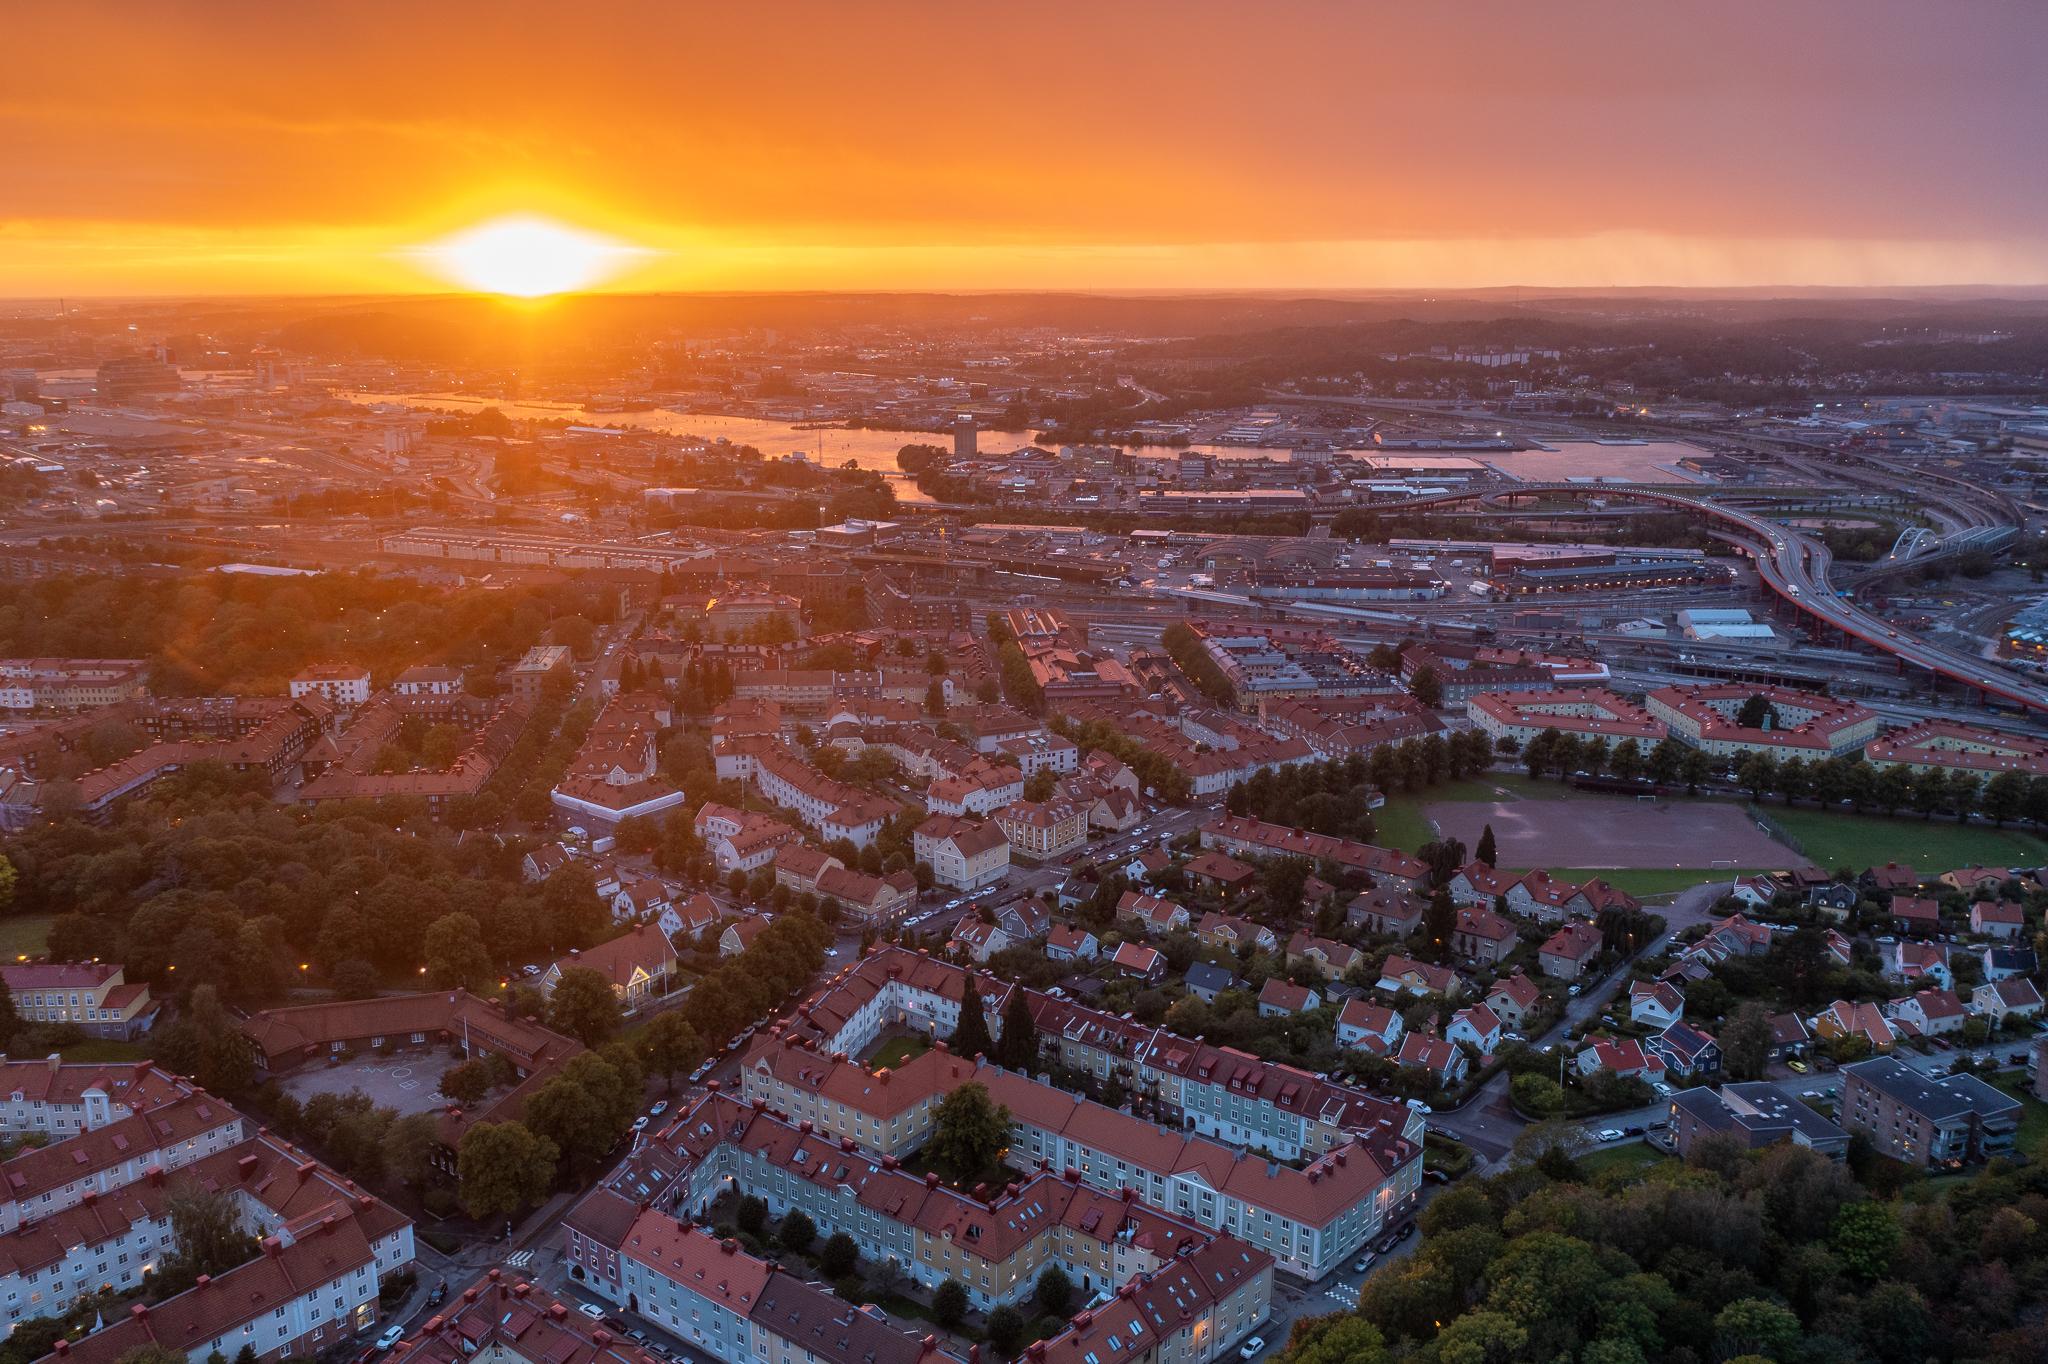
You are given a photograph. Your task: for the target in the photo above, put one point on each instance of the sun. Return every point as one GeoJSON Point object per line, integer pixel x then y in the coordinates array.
{"type": "Point", "coordinates": [528, 257]}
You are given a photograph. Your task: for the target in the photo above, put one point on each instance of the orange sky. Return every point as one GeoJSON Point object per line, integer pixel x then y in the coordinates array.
{"type": "Point", "coordinates": [243, 147]}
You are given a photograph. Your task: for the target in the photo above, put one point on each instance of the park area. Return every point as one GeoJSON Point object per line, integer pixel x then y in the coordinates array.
{"type": "Point", "coordinates": [1831, 839]}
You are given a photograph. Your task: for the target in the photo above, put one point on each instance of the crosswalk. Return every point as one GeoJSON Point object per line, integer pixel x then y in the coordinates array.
{"type": "Point", "coordinates": [519, 1259]}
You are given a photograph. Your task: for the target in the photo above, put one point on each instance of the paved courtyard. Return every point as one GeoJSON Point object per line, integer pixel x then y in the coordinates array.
{"type": "Point", "coordinates": [409, 1082]}
{"type": "Point", "coordinates": [1615, 833]}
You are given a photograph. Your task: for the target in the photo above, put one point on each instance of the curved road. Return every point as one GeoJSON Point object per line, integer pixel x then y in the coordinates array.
{"type": "Point", "coordinates": [1795, 566]}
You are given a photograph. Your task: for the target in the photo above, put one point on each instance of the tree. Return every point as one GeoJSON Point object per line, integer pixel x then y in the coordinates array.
{"type": "Point", "coordinates": [1746, 1042]}
{"type": "Point", "coordinates": [1757, 713]}
{"type": "Point", "coordinates": [410, 1145]}
{"type": "Point", "coordinates": [969, 1133]}
{"type": "Point", "coordinates": [751, 1215]}
{"type": "Point", "coordinates": [1040, 785]}
{"type": "Point", "coordinates": [584, 1006]}
{"type": "Point", "coordinates": [1487, 850]}
{"type": "Point", "coordinates": [1055, 1291]}
{"type": "Point", "coordinates": [456, 955]}
{"type": "Point", "coordinates": [353, 979]}
{"type": "Point", "coordinates": [1863, 1237]}
{"type": "Point", "coordinates": [503, 1168]}
{"type": "Point", "coordinates": [970, 1039]}
{"type": "Point", "coordinates": [1754, 1326]}
{"type": "Point", "coordinates": [839, 1256]}
{"type": "Point", "coordinates": [669, 1047]}
{"type": "Point", "coordinates": [10, 1021]}
{"type": "Point", "coordinates": [1427, 687]}
{"type": "Point", "coordinates": [796, 1232]}
{"type": "Point", "coordinates": [1019, 1048]}
{"type": "Point", "coordinates": [1439, 921]}
{"type": "Point", "coordinates": [1342, 1338]}
{"type": "Point", "coordinates": [1006, 1329]}
{"type": "Point", "coordinates": [949, 1302]}
{"type": "Point", "coordinates": [207, 1231]}
{"type": "Point", "coordinates": [467, 1083]}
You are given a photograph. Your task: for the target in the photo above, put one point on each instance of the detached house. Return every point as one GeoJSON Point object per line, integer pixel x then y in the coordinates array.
{"type": "Point", "coordinates": [1482, 936]}
{"type": "Point", "coordinates": [1846, 1019]}
{"type": "Point", "coordinates": [1442, 1059]}
{"type": "Point", "coordinates": [1331, 959]}
{"type": "Point", "coordinates": [1065, 942]}
{"type": "Point", "coordinates": [1916, 914]}
{"type": "Point", "coordinates": [1686, 1051]}
{"type": "Point", "coordinates": [1930, 1013]}
{"type": "Point", "coordinates": [1477, 1026]}
{"type": "Point", "coordinates": [1911, 961]}
{"type": "Point", "coordinates": [1999, 1000]}
{"type": "Point", "coordinates": [1371, 1027]}
{"type": "Point", "coordinates": [1625, 1057]}
{"type": "Point", "coordinates": [1997, 919]}
{"type": "Point", "coordinates": [1512, 998]}
{"type": "Point", "coordinates": [977, 939]}
{"type": "Point", "coordinates": [1405, 976]}
{"type": "Point", "coordinates": [1386, 909]}
{"type": "Point", "coordinates": [637, 965]}
{"type": "Point", "coordinates": [1278, 998]}
{"type": "Point", "coordinates": [1136, 959]}
{"type": "Point", "coordinates": [1569, 951]}
{"type": "Point", "coordinates": [1655, 1004]}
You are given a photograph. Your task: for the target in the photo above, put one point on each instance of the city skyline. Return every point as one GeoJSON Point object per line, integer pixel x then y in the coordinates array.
{"type": "Point", "coordinates": [201, 149]}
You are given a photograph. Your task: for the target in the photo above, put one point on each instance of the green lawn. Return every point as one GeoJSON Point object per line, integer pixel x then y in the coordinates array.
{"type": "Point", "coordinates": [897, 1050]}
{"type": "Point", "coordinates": [1635, 1158]}
{"type": "Point", "coordinates": [25, 935]}
{"type": "Point", "coordinates": [2032, 1138]}
{"type": "Point", "coordinates": [1831, 839]}
{"type": "Point", "coordinates": [1649, 880]}
{"type": "Point", "coordinates": [1402, 823]}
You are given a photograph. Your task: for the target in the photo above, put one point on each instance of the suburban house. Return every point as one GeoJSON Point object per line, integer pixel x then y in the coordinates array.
{"type": "Point", "coordinates": [1975, 880]}
{"type": "Point", "coordinates": [962, 853]}
{"type": "Point", "coordinates": [638, 965]}
{"type": "Point", "coordinates": [1386, 909]}
{"type": "Point", "coordinates": [1406, 976]}
{"type": "Point", "coordinates": [1844, 1018]}
{"type": "Point", "coordinates": [1568, 952]}
{"type": "Point", "coordinates": [1655, 1004]}
{"type": "Point", "coordinates": [1225, 873]}
{"type": "Point", "coordinates": [544, 861]}
{"type": "Point", "coordinates": [1929, 1013]}
{"type": "Point", "coordinates": [1999, 1000]}
{"type": "Point", "coordinates": [1157, 916]}
{"type": "Point", "coordinates": [975, 938]}
{"type": "Point", "coordinates": [1687, 1051]}
{"type": "Point", "coordinates": [739, 935]}
{"type": "Point", "coordinates": [1789, 1036]}
{"type": "Point", "coordinates": [2001, 963]}
{"type": "Point", "coordinates": [640, 900]}
{"type": "Point", "coordinates": [1373, 1027]}
{"type": "Point", "coordinates": [1482, 936]}
{"type": "Point", "coordinates": [1477, 1026]}
{"type": "Point", "coordinates": [1136, 959]}
{"type": "Point", "coordinates": [1442, 1059]}
{"type": "Point", "coordinates": [1624, 1056]}
{"type": "Point", "coordinates": [683, 922]}
{"type": "Point", "coordinates": [1512, 998]}
{"type": "Point", "coordinates": [1916, 914]}
{"type": "Point", "coordinates": [1065, 942]}
{"type": "Point", "coordinates": [90, 996]}
{"type": "Point", "coordinates": [1278, 998]}
{"type": "Point", "coordinates": [1997, 919]}
{"type": "Point", "coordinates": [1911, 961]}
{"type": "Point", "coordinates": [1330, 958]}
{"type": "Point", "coordinates": [1231, 933]}
{"type": "Point", "coordinates": [1206, 980]}
{"type": "Point", "coordinates": [1895, 878]}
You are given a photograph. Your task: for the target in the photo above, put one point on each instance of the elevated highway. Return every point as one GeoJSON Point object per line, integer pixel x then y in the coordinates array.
{"type": "Point", "coordinates": [1796, 567]}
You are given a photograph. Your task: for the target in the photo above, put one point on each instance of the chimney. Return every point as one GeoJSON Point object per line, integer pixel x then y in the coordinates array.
{"type": "Point", "coordinates": [272, 1246]}
{"type": "Point", "coordinates": [139, 1311]}
{"type": "Point", "coordinates": [728, 1246]}
{"type": "Point", "coordinates": [931, 1181]}
{"type": "Point", "coordinates": [203, 1281]}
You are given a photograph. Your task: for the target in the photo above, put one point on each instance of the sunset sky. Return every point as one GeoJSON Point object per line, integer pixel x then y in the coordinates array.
{"type": "Point", "coordinates": [237, 147]}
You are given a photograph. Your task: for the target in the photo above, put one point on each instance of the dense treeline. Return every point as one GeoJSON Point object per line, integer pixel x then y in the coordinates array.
{"type": "Point", "coordinates": [1780, 1256]}
{"type": "Point", "coordinates": [222, 632]}
{"type": "Point", "coordinates": [1330, 797]}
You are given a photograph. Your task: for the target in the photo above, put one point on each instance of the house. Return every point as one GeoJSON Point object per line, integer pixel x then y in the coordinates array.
{"type": "Point", "coordinates": [1846, 1019]}
{"type": "Point", "coordinates": [1157, 916]}
{"type": "Point", "coordinates": [544, 861]}
{"type": "Point", "coordinates": [1278, 998]}
{"type": "Point", "coordinates": [1686, 1051]}
{"type": "Point", "coordinates": [1625, 1057]}
{"type": "Point", "coordinates": [1655, 1004]}
{"type": "Point", "coordinates": [1065, 942]}
{"type": "Point", "coordinates": [1442, 1059]}
{"type": "Point", "coordinates": [685, 921]}
{"type": "Point", "coordinates": [1924, 1121]}
{"type": "Point", "coordinates": [1231, 933]}
{"type": "Point", "coordinates": [1477, 1026]}
{"type": "Point", "coordinates": [638, 965]}
{"type": "Point", "coordinates": [1894, 878]}
{"type": "Point", "coordinates": [2003, 962]}
{"type": "Point", "coordinates": [1206, 980]}
{"type": "Point", "coordinates": [1789, 1036]}
{"type": "Point", "coordinates": [1912, 961]}
{"type": "Point", "coordinates": [1225, 873]}
{"type": "Point", "coordinates": [1148, 864]}
{"type": "Point", "coordinates": [963, 854]}
{"type": "Point", "coordinates": [972, 937]}
{"type": "Point", "coordinates": [1975, 880]}
{"type": "Point", "coordinates": [1568, 952]}
{"type": "Point", "coordinates": [1405, 976]}
{"type": "Point", "coordinates": [2000, 1000]}
{"type": "Point", "coordinates": [1512, 998]}
{"type": "Point", "coordinates": [1025, 919]}
{"type": "Point", "coordinates": [1929, 1013]}
{"type": "Point", "coordinates": [1997, 919]}
{"type": "Point", "coordinates": [1369, 1026]}
{"type": "Point", "coordinates": [1737, 936]}
{"type": "Point", "coordinates": [739, 935]}
{"type": "Point", "coordinates": [1136, 959]}
{"type": "Point", "coordinates": [1916, 914]}
{"type": "Point", "coordinates": [1330, 958]}
{"type": "Point", "coordinates": [1840, 950]}
{"type": "Point", "coordinates": [740, 840]}
{"type": "Point", "coordinates": [640, 900]}
{"type": "Point", "coordinates": [1482, 936]}
{"type": "Point", "coordinates": [1386, 909]}
{"type": "Point", "coordinates": [1476, 883]}
{"type": "Point", "coordinates": [1834, 898]}
{"type": "Point", "coordinates": [1755, 892]}
{"type": "Point", "coordinates": [94, 997]}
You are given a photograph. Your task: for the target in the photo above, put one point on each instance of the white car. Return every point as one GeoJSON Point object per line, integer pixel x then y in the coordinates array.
{"type": "Point", "coordinates": [660, 1107]}
{"type": "Point", "coordinates": [640, 1123]}
{"type": "Point", "coordinates": [1252, 1348]}
{"type": "Point", "coordinates": [1610, 1134]}
{"type": "Point", "coordinates": [391, 1337]}
{"type": "Point", "coordinates": [591, 1310]}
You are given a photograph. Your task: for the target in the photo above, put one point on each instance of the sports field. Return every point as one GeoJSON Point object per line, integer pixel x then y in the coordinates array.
{"type": "Point", "coordinates": [1831, 839]}
{"type": "Point", "coordinates": [1599, 833]}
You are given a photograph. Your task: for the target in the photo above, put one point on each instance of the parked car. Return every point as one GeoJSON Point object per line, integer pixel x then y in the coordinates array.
{"type": "Point", "coordinates": [1609, 1134]}
{"type": "Point", "coordinates": [392, 1335]}
{"type": "Point", "coordinates": [1436, 1176]}
{"type": "Point", "coordinates": [1252, 1348]}
{"type": "Point", "coordinates": [591, 1310]}
{"type": "Point", "coordinates": [438, 1296]}
{"type": "Point", "coordinates": [1364, 1263]}
{"type": "Point", "coordinates": [1797, 1067]}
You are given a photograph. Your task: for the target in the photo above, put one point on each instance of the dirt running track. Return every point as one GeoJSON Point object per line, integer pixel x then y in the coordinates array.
{"type": "Point", "coordinates": [1615, 833]}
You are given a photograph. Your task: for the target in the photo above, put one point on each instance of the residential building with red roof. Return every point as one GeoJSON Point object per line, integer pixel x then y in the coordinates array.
{"type": "Point", "coordinates": [1803, 724]}
{"type": "Point", "coordinates": [1256, 838]}
{"type": "Point", "coordinates": [93, 997]}
{"type": "Point", "coordinates": [1586, 712]}
{"type": "Point", "coordinates": [639, 965]}
{"type": "Point", "coordinates": [1568, 952]}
